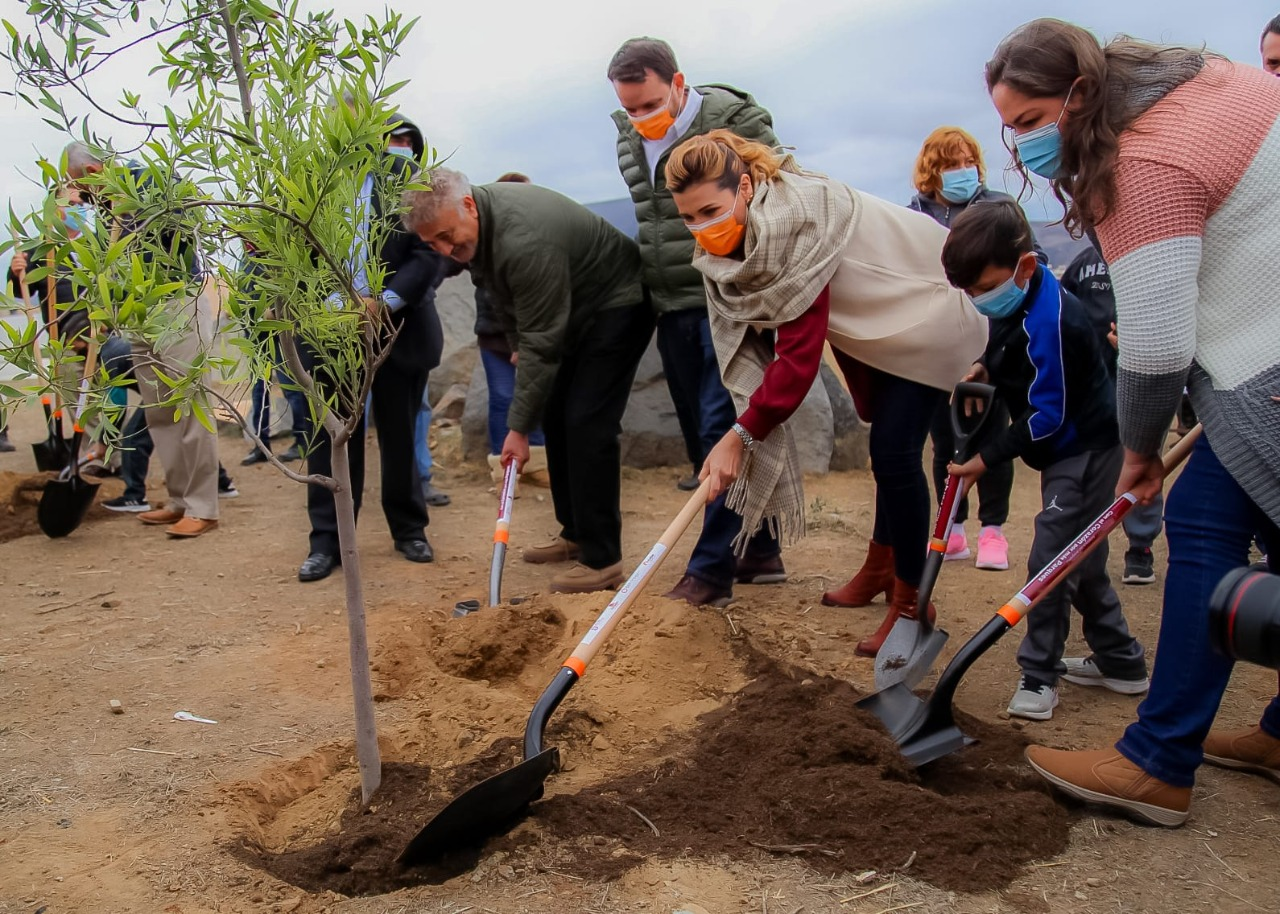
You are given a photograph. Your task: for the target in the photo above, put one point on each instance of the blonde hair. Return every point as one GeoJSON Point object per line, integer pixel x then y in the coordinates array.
{"type": "Point", "coordinates": [723, 157]}
{"type": "Point", "coordinates": [944, 149]}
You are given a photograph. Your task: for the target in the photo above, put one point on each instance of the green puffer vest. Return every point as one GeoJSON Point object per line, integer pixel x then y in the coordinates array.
{"type": "Point", "coordinates": [666, 247]}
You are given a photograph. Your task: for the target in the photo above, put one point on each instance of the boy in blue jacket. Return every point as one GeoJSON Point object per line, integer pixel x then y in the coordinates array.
{"type": "Point", "coordinates": [1044, 358]}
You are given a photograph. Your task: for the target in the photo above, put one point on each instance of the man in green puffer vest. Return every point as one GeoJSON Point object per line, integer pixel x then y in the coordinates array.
{"type": "Point", "coordinates": [659, 111]}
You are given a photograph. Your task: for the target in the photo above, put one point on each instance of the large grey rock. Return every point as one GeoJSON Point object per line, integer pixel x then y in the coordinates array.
{"type": "Point", "coordinates": [650, 432]}
{"type": "Point", "coordinates": [849, 450]}
{"type": "Point", "coordinates": [813, 431]}
{"type": "Point", "coordinates": [456, 303]}
{"type": "Point", "coordinates": [475, 417]}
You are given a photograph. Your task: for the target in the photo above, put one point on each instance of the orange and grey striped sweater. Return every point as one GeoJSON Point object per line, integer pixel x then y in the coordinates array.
{"type": "Point", "coordinates": [1193, 243]}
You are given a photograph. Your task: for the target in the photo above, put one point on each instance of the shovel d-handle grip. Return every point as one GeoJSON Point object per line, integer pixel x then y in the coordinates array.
{"type": "Point", "coordinates": [502, 532]}
{"type": "Point", "coordinates": [969, 390]}
{"type": "Point", "coordinates": [1066, 561]}
{"type": "Point", "coordinates": [575, 667]}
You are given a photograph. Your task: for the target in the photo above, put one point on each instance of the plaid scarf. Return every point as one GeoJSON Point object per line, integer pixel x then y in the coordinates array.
{"type": "Point", "coordinates": [798, 226]}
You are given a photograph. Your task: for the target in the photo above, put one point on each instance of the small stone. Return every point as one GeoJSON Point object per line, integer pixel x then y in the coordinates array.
{"type": "Point", "coordinates": [64, 823]}
{"type": "Point", "coordinates": [1003, 715]}
{"type": "Point", "coordinates": [507, 871]}
{"type": "Point", "coordinates": [600, 744]}
{"type": "Point", "coordinates": [116, 706]}
{"type": "Point", "coordinates": [319, 664]}
{"type": "Point", "coordinates": [110, 604]}
{"type": "Point", "coordinates": [1019, 724]}
{"type": "Point", "coordinates": [1093, 882]}
{"type": "Point", "coordinates": [599, 840]}
{"type": "Point", "coordinates": [465, 738]}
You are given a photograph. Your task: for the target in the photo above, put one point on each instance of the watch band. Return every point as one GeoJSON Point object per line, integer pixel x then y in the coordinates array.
{"type": "Point", "coordinates": [748, 441]}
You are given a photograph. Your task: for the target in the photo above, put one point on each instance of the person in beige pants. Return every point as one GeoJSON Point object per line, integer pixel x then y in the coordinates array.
{"type": "Point", "coordinates": [188, 451]}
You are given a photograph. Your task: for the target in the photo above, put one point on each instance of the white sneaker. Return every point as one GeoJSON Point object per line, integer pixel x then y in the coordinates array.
{"type": "Point", "coordinates": [1033, 703]}
{"type": "Point", "coordinates": [1083, 671]}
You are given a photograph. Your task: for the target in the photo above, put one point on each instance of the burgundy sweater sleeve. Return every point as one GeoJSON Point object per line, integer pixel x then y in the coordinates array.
{"type": "Point", "coordinates": [797, 349]}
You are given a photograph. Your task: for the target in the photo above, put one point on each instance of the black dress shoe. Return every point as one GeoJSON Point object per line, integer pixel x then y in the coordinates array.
{"type": "Point", "coordinates": [292, 454]}
{"type": "Point", "coordinates": [416, 550]}
{"type": "Point", "coordinates": [257, 455]}
{"type": "Point", "coordinates": [317, 567]}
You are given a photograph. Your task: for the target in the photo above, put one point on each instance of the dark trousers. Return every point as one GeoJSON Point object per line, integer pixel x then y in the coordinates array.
{"type": "Point", "coordinates": [1209, 523]}
{"type": "Point", "coordinates": [994, 485]}
{"type": "Point", "coordinates": [582, 423]}
{"type": "Point", "coordinates": [1073, 492]}
{"type": "Point", "coordinates": [396, 398]}
{"type": "Point", "coordinates": [901, 413]}
{"type": "Point", "coordinates": [300, 412]}
{"type": "Point", "coordinates": [704, 408]}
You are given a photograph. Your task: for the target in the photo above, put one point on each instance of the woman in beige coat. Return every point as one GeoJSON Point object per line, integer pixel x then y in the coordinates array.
{"type": "Point", "coordinates": [791, 260]}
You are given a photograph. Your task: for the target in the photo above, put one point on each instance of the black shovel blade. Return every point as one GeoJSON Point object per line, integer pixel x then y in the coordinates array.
{"type": "Point", "coordinates": [924, 732]}
{"type": "Point", "coordinates": [63, 505]}
{"type": "Point", "coordinates": [487, 809]}
{"type": "Point", "coordinates": [51, 455]}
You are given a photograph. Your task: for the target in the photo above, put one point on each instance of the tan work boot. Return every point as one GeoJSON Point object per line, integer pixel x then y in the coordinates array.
{"type": "Point", "coordinates": [1106, 777]}
{"type": "Point", "coordinates": [558, 550]}
{"type": "Point", "coordinates": [1251, 749]}
{"type": "Point", "coordinates": [874, 578]}
{"type": "Point", "coordinates": [190, 527]}
{"type": "Point", "coordinates": [161, 516]}
{"type": "Point", "coordinates": [581, 579]}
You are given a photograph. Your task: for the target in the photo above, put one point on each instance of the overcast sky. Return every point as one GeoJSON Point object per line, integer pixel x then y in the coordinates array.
{"type": "Point", "coordinates": [854, 85]}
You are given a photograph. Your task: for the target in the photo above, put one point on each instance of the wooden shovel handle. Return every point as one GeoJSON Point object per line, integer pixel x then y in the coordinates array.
{"type": "Point", "coordinates": [599, 633]}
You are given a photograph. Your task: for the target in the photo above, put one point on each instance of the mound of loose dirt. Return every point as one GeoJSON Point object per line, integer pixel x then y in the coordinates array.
{"type": "Point", "coordinates": [499, 641]}
{"type": "Point", "coordinates": [792, 766]}
{"type": "Point", "coordinates": [19, 499]}
{"type": "Point", "coordinates": [788, 765]}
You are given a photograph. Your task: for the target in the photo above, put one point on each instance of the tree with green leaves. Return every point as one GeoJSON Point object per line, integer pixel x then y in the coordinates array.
{"type": "Point", "coordinates": [273, 121]}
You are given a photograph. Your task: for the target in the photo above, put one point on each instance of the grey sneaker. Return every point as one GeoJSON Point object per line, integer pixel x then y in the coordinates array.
{"type": "Point", "coordinates": [1034, 700]}
{"type": "Point", "coordinates": [1083, 671]}
{"type": "Point", "coordinates": [1139, 567]}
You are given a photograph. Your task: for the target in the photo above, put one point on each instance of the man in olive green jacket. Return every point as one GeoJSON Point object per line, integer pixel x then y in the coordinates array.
{"type": "Point", "coordinates": [659, 111]}
{"type": "Point", "coordinates": [569, 285]}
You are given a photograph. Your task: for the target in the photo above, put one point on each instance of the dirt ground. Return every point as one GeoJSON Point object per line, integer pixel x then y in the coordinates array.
{"type": "Point", "coordinates": [104, 812]}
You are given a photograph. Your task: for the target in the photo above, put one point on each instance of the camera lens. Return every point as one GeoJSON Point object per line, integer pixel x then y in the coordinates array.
{"type": "Point", "coordinates": [1244, 617]}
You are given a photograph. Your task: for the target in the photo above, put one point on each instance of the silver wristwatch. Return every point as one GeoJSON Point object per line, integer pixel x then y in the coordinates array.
{"type": "Point", "coordinates": [748, 441]}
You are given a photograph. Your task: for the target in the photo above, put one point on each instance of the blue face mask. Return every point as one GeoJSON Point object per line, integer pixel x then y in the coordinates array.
{"type": "Point", "coordinates": [960, 184]}
{"type": "Point", "coordinates": [406, 151]}
{"type": "Point", "coordinates": [1001, 301]}
{"type": "Point", "coordinates": [1041, 149]}
{"type": "Point", "coordinates": [76, 217]}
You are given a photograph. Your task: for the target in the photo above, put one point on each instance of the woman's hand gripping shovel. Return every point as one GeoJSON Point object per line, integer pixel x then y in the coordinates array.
{"type": "Point", "coordinates": [494, 804]}
{"type": "Point", "coordinates": [912, 645]}
{"type": "Point", "coordinates": [925, 729]}
{"type": "Point", "coordinates": [501, 537]}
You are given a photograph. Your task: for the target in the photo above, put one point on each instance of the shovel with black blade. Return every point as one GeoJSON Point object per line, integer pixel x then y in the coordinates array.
{"type": "Point", "coordinates": [925, 728]}
{"type": "Point", "coordinates": [66, 500]}
{"type": "Point", "coordinates": [912, 645]}
{"type": "Point", "coordinates": [494, 804]}
{"type": "Point", "coordinates": [501, 538]}
{"type": "Point", "coordinates": [52, 454]}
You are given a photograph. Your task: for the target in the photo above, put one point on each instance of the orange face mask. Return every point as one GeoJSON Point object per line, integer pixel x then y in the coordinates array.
{"type": "Point", "coordinates": [722, 235]}
{"type": "Point", "coordinates": [655, 124]}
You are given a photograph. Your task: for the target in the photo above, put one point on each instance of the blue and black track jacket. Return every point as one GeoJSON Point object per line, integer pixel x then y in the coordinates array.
{"type": "Point", "coordinates": [1046, 361]}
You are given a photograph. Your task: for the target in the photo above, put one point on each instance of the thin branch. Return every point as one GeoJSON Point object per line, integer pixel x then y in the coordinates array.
{"type": "Point", "coordinates": [107, 55]}
{"type": "Point", "coordinates": [337, 430]}
{"type": "Point", "coordinates": [237, 62]}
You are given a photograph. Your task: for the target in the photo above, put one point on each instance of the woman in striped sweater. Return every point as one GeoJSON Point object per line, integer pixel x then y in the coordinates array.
{"type": "Point", "coordinates": [1172, 157]}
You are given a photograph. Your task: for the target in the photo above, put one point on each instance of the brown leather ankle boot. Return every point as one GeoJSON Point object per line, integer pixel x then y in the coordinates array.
{"type": "Point", "coordinates": [902, 606]}
{"type": "Point", "coordinates": [874, 578]}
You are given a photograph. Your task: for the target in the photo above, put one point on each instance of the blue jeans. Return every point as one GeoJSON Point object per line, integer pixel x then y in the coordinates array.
{"type": "Point", "coordinates": [421, 446]}
{"type": "Point", "coordinates": [1209, 522]}
{"type": "Point", "coordinates": [500, 375]}
{"type": "Point", "coordinates": [1142, 523]}
{"type": "Point", "coordinates": [693, 376]}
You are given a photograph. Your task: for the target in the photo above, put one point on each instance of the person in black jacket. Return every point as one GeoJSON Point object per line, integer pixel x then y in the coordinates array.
{"type": "Point", "coordinates": [412, 271]}
{"type": "Point", "coordinates": [1046, 362]}
{"type": "Point", "coordinates": [1088, 279]}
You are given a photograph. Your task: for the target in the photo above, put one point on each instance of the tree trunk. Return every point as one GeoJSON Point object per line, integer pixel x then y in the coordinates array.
{"type": "Point", "coordinates": [361, 681]}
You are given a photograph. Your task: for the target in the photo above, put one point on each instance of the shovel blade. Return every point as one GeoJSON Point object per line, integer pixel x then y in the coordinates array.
{"type": "Point", "coordinates": [483, 811]}
{"type": "Point", "coordinates": [923, 731]}
{"type": "Point", "coordinates": [51, 455]}
{"type": "Point", "coordinates": [908, 653]}
{"type": "Point", "coordinates": [63, 505]}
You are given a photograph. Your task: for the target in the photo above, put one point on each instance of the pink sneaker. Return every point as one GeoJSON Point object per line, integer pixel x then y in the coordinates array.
{"type": "Point", "coordinates": [993, 550]}
{"type": "Point", "coordinates": [957, 546]}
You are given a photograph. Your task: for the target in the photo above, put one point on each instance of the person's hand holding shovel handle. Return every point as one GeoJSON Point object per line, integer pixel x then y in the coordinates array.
{"type": "Point", "coordinates": [515, 447]}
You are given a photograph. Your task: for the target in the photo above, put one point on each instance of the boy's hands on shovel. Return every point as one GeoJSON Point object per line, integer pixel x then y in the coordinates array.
{"type": "Point", "coordinates": [723, 465]}
{"type": "Point", "coordinates": [515, 447]}
{"type": "Point", "coordinates": [969, 471]}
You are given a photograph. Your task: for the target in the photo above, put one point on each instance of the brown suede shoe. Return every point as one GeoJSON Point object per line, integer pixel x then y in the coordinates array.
{"type": "Point", "coordinates": [1251, 749]}
{"type": "Point", "coordinates": [752, 570]}
{"type": "Point", "coordinates": [558, 550]}
{"type": "Point", "coordinates": [161, 516]}
{"type": "Point", "coordinates": [190, 527]}
{"type": "Point", "coordinates": [581, 579]}
{"type": "Point", "coordinates": [1106, 777]}
{"type": "Point", "coordinates": [697, 592]}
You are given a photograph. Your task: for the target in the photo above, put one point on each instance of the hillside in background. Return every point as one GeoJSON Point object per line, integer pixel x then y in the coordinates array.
{"type": "Point", "coordinates": [1060, 246]}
